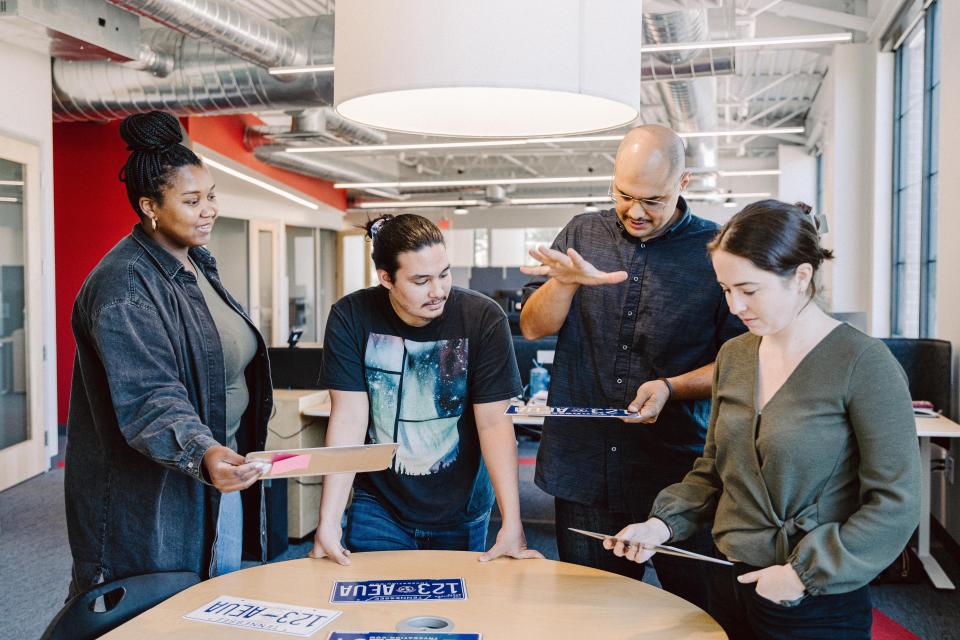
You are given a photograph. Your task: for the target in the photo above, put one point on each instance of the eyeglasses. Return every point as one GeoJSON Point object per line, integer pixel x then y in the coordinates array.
{"type": "Point", "coordinates": [652, 205]}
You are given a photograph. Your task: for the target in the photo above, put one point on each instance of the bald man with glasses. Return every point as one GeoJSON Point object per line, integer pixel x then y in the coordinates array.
{"type": "Point", "coordinates": [640, 318]}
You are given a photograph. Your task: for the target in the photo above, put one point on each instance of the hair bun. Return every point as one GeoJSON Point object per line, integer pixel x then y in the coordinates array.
{"type": "Point", "coordinates": [373, 226]}
{"type": "Point", "coordinates": [803, 206]}
{"type": "Point", "coordinates": [154, 132]}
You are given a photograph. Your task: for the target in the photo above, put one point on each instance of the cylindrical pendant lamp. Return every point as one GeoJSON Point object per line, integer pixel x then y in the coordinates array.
{"type": "Point", "coordinates": [488, 68]}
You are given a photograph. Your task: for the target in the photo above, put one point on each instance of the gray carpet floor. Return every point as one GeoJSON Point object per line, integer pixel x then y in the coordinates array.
{"type": "Point", "coordinates": [35, 560]}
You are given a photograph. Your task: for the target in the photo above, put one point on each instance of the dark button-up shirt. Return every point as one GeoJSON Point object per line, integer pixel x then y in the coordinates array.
{"type": "Point", "coordinates": [148, 399]}
{"type": "Point", "coordinates": [667, 318]}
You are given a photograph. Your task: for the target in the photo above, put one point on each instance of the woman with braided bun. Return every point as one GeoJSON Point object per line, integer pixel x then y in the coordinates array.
{"type": "Point", "coordinates": [171, 385]}
{"type": "Point", "coordinates": [811, 472]}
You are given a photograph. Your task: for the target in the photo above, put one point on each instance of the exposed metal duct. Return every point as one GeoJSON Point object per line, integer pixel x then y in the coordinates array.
{"type": "Point", "coordinates": [204, 80]}
{"type": "Point", "coordinates": [349, 130]}
{"type": "Point", "coordinates": [322, 126]}
{"type": "Point", "coordinates": [152, 61]}
{"type": "Point", "coordinates": [691, 104]}
{"type": "Point", "coordinates": [713, 63]}
{"type": "Point", "coordinates": [226, 26]}
{"type": "Point", "coordinates": [334, 170]}
{"type": "Point", "coordinates": [328, 121]}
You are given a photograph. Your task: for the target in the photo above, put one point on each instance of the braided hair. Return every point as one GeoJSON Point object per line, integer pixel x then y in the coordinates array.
{"type": "Point", "coordinates": [153, 140]}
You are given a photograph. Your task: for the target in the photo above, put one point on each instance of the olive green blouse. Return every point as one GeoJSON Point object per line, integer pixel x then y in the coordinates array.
{"type": "Point", "coordinates": [827, 478]}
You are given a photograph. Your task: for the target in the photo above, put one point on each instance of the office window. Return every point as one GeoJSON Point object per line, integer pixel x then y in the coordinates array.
{"type": "Point", "coordinates": [481, 247]}
{"type": "Point", "coordinates": [302, 281]}
{"type": "Point", "coordinates": [915, 179]}
{"type": "Point", "coordinates": [311, 279]}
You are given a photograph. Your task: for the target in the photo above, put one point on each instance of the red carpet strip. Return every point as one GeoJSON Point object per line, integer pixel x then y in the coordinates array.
{"type": "Point", "coordinates": [886, 629]}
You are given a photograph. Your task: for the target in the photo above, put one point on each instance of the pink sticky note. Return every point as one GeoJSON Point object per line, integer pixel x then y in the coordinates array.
{"type": "Point", "coordinates": [283, 464]}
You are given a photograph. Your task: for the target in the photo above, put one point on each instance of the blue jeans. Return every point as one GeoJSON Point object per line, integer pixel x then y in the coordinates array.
{"type": "Point", "coordinates": [228, 545]}
{"type": "Point", "coordinates": [746, 615]}
{"type": "Point", "coordinates": [370, 527]}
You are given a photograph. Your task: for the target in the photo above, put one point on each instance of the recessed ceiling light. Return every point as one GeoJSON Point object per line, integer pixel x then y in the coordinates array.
{"type": "Point", "coordinates": [460, 211]}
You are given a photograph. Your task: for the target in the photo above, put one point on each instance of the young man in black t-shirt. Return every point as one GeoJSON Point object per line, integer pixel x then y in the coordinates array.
{"type": "Point", "coordinates": [430, 366]}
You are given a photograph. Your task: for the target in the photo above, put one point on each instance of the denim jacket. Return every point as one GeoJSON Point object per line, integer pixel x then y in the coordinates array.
{"type": "Point", "coordinates": [147, 400]}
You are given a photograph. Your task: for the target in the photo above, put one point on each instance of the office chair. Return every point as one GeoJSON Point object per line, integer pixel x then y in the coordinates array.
{"type": "Point", "coordinates": [928, 364]}
{"type": "Point", "coordinates": [129, 596]}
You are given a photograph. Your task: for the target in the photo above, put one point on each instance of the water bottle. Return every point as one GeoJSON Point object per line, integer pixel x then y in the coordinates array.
{"type": "Point", "coordinates": [539, 381]}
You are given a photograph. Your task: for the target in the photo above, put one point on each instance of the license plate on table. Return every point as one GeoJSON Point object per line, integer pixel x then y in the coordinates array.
{"type": "Point", "coordinates": [392, 590]}
{"type": "Point", "coordinates": [258, 615]}
{"type": "Point", "coordinates": [401, 635]}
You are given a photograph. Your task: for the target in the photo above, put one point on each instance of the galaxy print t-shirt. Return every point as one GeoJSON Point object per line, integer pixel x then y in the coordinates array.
{"type": "Point", "coordinates": [422, 383]}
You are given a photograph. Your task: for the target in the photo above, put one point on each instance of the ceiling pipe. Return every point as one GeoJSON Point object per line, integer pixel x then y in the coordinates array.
{"type": "Point", "coordinates": [226, 26]}
{"type": "Point", "coordinates": [204, 80]}
{"type": "Point", "coordinates": [691, 104]}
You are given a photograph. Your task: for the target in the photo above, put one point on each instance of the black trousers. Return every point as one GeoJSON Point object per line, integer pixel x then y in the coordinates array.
{"type": "Point", "coordinates": [745, 615]}
{"type": "Point", "coordinates": [679, 576]}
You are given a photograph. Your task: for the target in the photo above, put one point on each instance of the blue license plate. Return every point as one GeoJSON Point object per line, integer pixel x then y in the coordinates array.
{"type": "Point", "coordinates": [390, 590]}
{"type": "Point", "coordinates": [402, 635]}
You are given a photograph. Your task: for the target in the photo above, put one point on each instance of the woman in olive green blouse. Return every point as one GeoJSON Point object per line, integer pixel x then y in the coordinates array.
{"type": "Point", "coordinates": [811, 472]}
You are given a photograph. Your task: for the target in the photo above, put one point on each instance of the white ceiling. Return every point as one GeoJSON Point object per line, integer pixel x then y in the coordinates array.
{"type": "Point", "coordinates": [771, 87]}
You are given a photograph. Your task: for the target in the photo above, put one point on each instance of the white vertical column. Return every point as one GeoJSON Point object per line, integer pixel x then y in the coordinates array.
{"type": "Point", "coordinates": [948, 222]}
{"type": "Point", "coordinates": [854, 115]}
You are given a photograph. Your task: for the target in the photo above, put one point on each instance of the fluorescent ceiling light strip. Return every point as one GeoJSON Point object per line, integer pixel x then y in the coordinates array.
{"type": "Point", "coordinates": [749, 172]}
{"type": "Point", "coordinates": [724, 196]}
{"type": "Point", "coordinates": [471, 144]}
{"type": "Point", "coordinates": [417, 184]}
{"type": "Point", "coordinates": [418, 204]}
{"type": "Point", "coordinates": [527, 201]}
{"type": "Point", "coordinates": [310, 68]}
{"type": "Point", "coordinates": [408, 147]}
{"type": "Point", "coordinates": [570, 200]}
{"type": "Point", "coordinates": [742, 132]}
{"type": "Point", "coordinates": [11, 183]}
{"type": "Point", "coordinates": [8, 199]}
{"type": "Point", "coordinates": [259, 183]}
{"type": "Point", "coordinates": [820, 38]}
{"type": "Point", "coordinates": [466, 183]}
{"type": "Point", "coordinates": [604, 198]}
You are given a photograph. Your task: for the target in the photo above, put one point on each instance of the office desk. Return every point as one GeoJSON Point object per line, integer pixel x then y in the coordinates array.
{"type": "Point", "coordinates": [927, 428]}
{"type": "Point", "coordinates": [505, 599]}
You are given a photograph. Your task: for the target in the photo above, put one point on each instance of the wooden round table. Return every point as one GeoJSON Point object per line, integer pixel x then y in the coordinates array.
{"type": "Point", "coordinates": [505, 599]}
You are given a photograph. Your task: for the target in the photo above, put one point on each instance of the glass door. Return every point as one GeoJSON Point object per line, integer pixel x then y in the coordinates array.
{"type": "Point", "coordinates": [22, 445]}
{"type": "Point", "coordinates": [265, 280]}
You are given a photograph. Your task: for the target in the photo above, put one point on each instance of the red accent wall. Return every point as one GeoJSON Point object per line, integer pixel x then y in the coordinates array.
{"type": "Point", "coordinates": [224, 134]}
{"type": "Point", "coordinates": [91, 212]}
